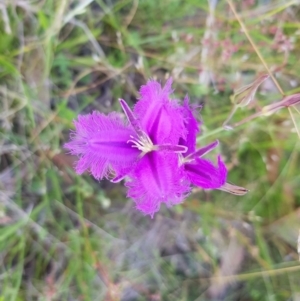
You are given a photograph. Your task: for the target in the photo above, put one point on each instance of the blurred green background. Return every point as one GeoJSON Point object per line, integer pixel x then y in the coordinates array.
{"type": "Point", "coordinates": [69, 237]}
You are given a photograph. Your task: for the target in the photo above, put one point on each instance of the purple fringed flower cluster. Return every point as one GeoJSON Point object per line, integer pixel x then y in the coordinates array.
{"type": "Point", "coordinates": [154, 150]}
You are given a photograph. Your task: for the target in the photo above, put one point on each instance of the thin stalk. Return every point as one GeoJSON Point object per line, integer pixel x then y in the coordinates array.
{"type": "Point", "coordinates": [260, 57]}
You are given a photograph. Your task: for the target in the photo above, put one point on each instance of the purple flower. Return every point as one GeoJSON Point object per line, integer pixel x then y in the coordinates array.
{"type": "Point", "coordinates": [155, 150]}
{"type": "Point", "coordinates": [202, 173]}
{"type": "Point", "coordinates": [198, 171]}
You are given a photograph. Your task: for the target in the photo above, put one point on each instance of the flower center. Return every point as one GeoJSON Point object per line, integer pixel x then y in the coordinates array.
{"type": "Point", "coordinates": [143, 143]}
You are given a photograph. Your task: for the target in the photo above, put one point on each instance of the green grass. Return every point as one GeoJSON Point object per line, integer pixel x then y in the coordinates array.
{"type": "Point", "coordinates": [69, 237]}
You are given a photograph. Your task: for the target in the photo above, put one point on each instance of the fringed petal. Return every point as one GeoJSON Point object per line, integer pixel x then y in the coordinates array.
{"type": "Point", "coordinates": [204, 174]}
{"type": "Point", "coordinates": [101, 143]}
{"type": "Point", "coordinates": [161, 118]}
{"type": "Point", "coordinates": [191, 125]}
{"type": "Point", "coordinates": [157, 179]}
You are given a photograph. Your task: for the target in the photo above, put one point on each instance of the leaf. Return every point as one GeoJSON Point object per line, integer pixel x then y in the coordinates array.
{"type": "Point", "coordinates": [8, 67]}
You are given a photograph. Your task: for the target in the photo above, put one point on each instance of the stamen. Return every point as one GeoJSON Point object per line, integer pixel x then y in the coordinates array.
{"type": "Point", "coordinates": [181, 160]}
{"type": "Point", "coordinates": [143, 143]}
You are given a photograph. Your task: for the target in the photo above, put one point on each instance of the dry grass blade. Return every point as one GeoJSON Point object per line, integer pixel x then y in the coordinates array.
{"type": "Point", "coordinates": [79, 9]}
{"type": "Point", "coordinates": [298, 246]}
{"type": "Point", "coordinates": [261, 58]}
{"type": "Point", "coordinates": [245, 30]}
